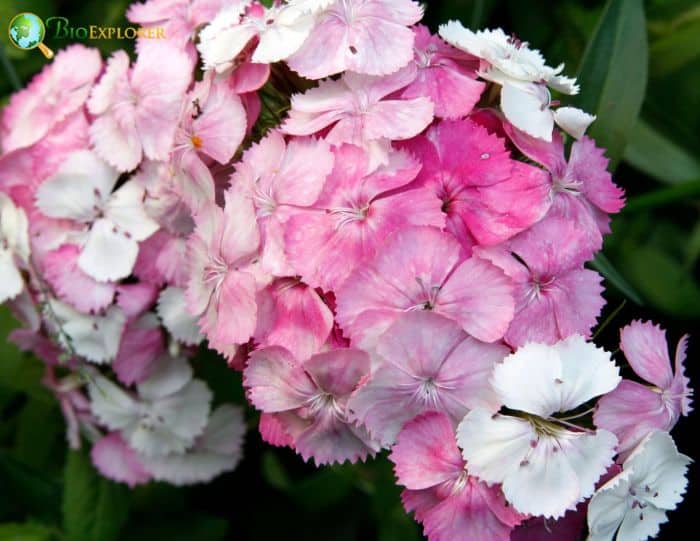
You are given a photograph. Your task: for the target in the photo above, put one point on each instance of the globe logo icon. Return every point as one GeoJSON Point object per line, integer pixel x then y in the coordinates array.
{"type": "Point", "coordinates": [27, 32]}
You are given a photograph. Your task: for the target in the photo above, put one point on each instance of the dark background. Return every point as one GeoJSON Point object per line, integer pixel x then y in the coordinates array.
{"type": "Point", "coordinates": [653, 254]}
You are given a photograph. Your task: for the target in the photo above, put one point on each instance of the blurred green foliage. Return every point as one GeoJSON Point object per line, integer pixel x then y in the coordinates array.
{"type": "Point", "coordinates": [639, 67]}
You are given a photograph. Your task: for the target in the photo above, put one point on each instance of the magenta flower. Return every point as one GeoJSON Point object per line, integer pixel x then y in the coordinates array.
{"type": "Point", "coordinates": [487, 197]}
{"type": "Point", "coordinates": [451, 504]}
{"type": "Point", "coordinates": [633, 410]}
{"type": "Point", "coordinates": [426, 363]}
{"type": "Point", "coordinates": [311, 398]}
{"type": "Point", "coordinates": [422, 268]}
{"type": "Point", "coordinates": [354, 214]}
{"type": "Point", "coordinates": [446, 75]}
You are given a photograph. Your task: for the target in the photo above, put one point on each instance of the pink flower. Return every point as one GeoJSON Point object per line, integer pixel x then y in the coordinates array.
{"type": "Point", "coordinates": [225, 274]}
{"type": "Point", "coordinates": [114, 459]}
{"type": "Point", "coordinates": [487, 196]}
{"type": "Point", "coordinates": [142, 344]}
{"type": "Point", "coordinates": [292, 315]}
{"type": "Point", "coordinates": [312, 400]}
{"type": "Point", "coordinates": [358, 111]}
{"type": "Point", "coordinates": [212, 126]}
{"type": "Point", "coordinates": [582, 189]}
{"type": "Point", "coordinates": [422, 268]}
{"type": "Point", "coordinates": [362, 36]}
{"type": "Point", "coordinates": [427, 363]}
{"type": "Point", "coordinates": [137, 108]}
{"type": "Point", "coordinates": [633, 410]}
{"type": "Point", "coordinates": [58, 91]}
{"type": "Point", "coordinates": [555, 296]}
{"type": "Point", "coordinates": [446, 75]}
{"type": "Point", "coordinates": [451, 504]}
{"type": "Point", "coordinates": [280, 178]}
{"type": "Point", "coordinates": [354, 214]}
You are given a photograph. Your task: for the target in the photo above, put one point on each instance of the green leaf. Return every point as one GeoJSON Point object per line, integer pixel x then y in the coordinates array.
{"type": "Point", "coordinates": [674, 50]}
{"type": "Point", "coordinates": [663, 281]}
{"type": "Point", "coordinates": [193, 527]}
{"type": "Point", "coordinates": [659, 157]}
{"type": "Point", "coordinates": [613, 74]}
{"type": "Point", "coordinates": [28, 490]}
{"type": "Point", "coordinates": [26, 532]}
{"type": "Point", "coordinates": [665, 196]}
{"type": "Point", "coordinates": [273, 472]}
{"type": "Point", "coordinates": [40, 433]}
{"type": "Point", "coordinates": [603, 265]}
{"type": "Point", "coordinates": [94, 509]}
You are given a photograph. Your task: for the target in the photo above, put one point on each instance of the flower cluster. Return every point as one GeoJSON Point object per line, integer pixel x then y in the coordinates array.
{"type": "Point", "coordinates": [395, 259]}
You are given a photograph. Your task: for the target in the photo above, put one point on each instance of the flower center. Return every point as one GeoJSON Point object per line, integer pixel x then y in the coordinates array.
{"type": "Point", "coordinates": [196, 142]}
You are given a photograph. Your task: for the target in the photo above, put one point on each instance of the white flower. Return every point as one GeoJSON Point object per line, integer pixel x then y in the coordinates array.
{"type": "Point", "coordinates": [310, 6]}
{"type": "Point", "coordinates": [634, 503]}
{"type": "Point", "coordinates": [172, 311]}
{"type": "Point", "coordinates": [167, 416]}
{"type": "Point", "coordinates": [81, 191]}
{"type": "Point", "coordinates": [217, 450]}
{"type": "Point", "coordinates": [94, 337]}
{"type": "Point", "coordinates": [525, 80]}
{"type": "Point", "coordinates": [546, 465]}
{"type": "Point", "coordinates": [14, 248]}
{"type": "Point", "coordinates": [281, 31]}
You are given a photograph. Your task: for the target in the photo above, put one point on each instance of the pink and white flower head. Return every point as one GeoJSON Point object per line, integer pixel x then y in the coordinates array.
{"type": "Point", "coordinates": [362, 36]}
{"type": "Point", "coordinates": [582, 188]}
{"type": "Point", "coordinates": [633, 409]}
{"type": "Point", "coordinates": [486, 196]}
{"type": "Point", "coordinates": [57, 92]}
{"type": "Point", "coordinates": [633, 504]}
{"type": "Point", "coordinates": [225, 274]}
{"type": "Point", "coordinates": [525, 80]}
{"type": "Point", "coordinates": [217, 450]}
{"type": "Point", "coordinates": [95, 338]}
{"type": "Point", "coordinates": [172, 311]}
{"type": "Point", "coordinates": [451, 504]}
{"type": "Point", "coordinates": [14, 248]}
{"type": "Point", "coordinates": [280, 178]}
{"type": "Point", "coordinates": [212, 127]}
{"type": "Point", "coordinates": [310, 399]}
{"type": "Point", "coordinates": [426, 362]}
{"type": "Point", "coordinates": [137, 107]}
{"type": "Point", "coordinates": [446, 75]}
{"type": "Point", "coordinates": [113, 223]}
{"type": "Point", "coordinates": [545, 463]}
{"type": "Point", "coordinates": [555, 296]}
{"type": "Point", "coordinates": [423, 268]}
{"type": "Point", "coordinates": [166, 415]}
{"type": "Point", "coordinates": [360, 109]}
{"type": "Point", "coordinates": [357, 210]}
{"type": "Point", "coordinates": [279, 31]}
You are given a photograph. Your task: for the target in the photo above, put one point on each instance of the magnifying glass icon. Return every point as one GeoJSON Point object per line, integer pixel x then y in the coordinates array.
{"type": "Point", "coordinates": [27, 32]}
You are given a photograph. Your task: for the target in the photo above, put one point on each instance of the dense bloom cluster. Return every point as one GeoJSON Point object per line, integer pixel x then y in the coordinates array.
{"type": "Point", "coordinates": [395, 259]}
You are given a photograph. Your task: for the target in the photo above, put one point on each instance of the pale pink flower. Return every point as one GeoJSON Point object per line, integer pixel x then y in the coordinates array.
{"type": "Point", "coordinates": [451, 504]}
{"type": "Point", "coordinates": [280, 178]}
{"type": "Point", "coordinates": [359, 109]}
{"type": "Point", "coordinates": [58, 91]}
{"type": "Point", "coordinates": [357, 210]}
{"type": "Point", "coordinates": [137, 108]}
{"type": "Point", "coordinates": [172, 311]}
{"type": "Point", "coordinates": [112, 223]}
{"type": "Point", "coordinates": [426, 363]}
{"type": "Point", "coordinates": [136, 299]}
{"type": "Point", "coordinates": [362, 36]}
{"type": "Point", "coordinates": [293, 315]}
{"type": "Point", "coordinates": [487, 197]}
{"type": "Point", "coordinates": [114, 459]}
{"type": "Point", "coordinates": [446, 75]}
{"type": "Point", "coordinates": [311, 398]}
{"type": "Point", "coordinates": [422, 268]}
{"type": "Point", "coordinates": [555, 296]}
{"type": "Point", "coordinates": [633, 410]}
{"type": "Point", "coordinates": [225, 273]}
{"type": "Point", "coordinates": [582, 189]}
{"type": "Point", "coordinates": [141, 345]}
{"type": "Point", "coordinates": [14, 248]}
{"type": "Point", "coordinates": [546, 465]}
{"type": "Point", "coordinates": [212, 126]}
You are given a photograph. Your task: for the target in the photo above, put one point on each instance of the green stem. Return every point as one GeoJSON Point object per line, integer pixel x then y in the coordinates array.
{"type": "Point", "coordinates": [609, 319]}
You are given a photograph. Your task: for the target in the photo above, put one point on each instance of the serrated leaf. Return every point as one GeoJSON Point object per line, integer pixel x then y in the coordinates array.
{"type": "Point", "coordinates": [94, 508]}
{"type": "Point", "coordinates": [26, 532]}
{"type": "Point", "coordinates": [659, 157]}
{"type": "Point", "coordinates": [613, 74]}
